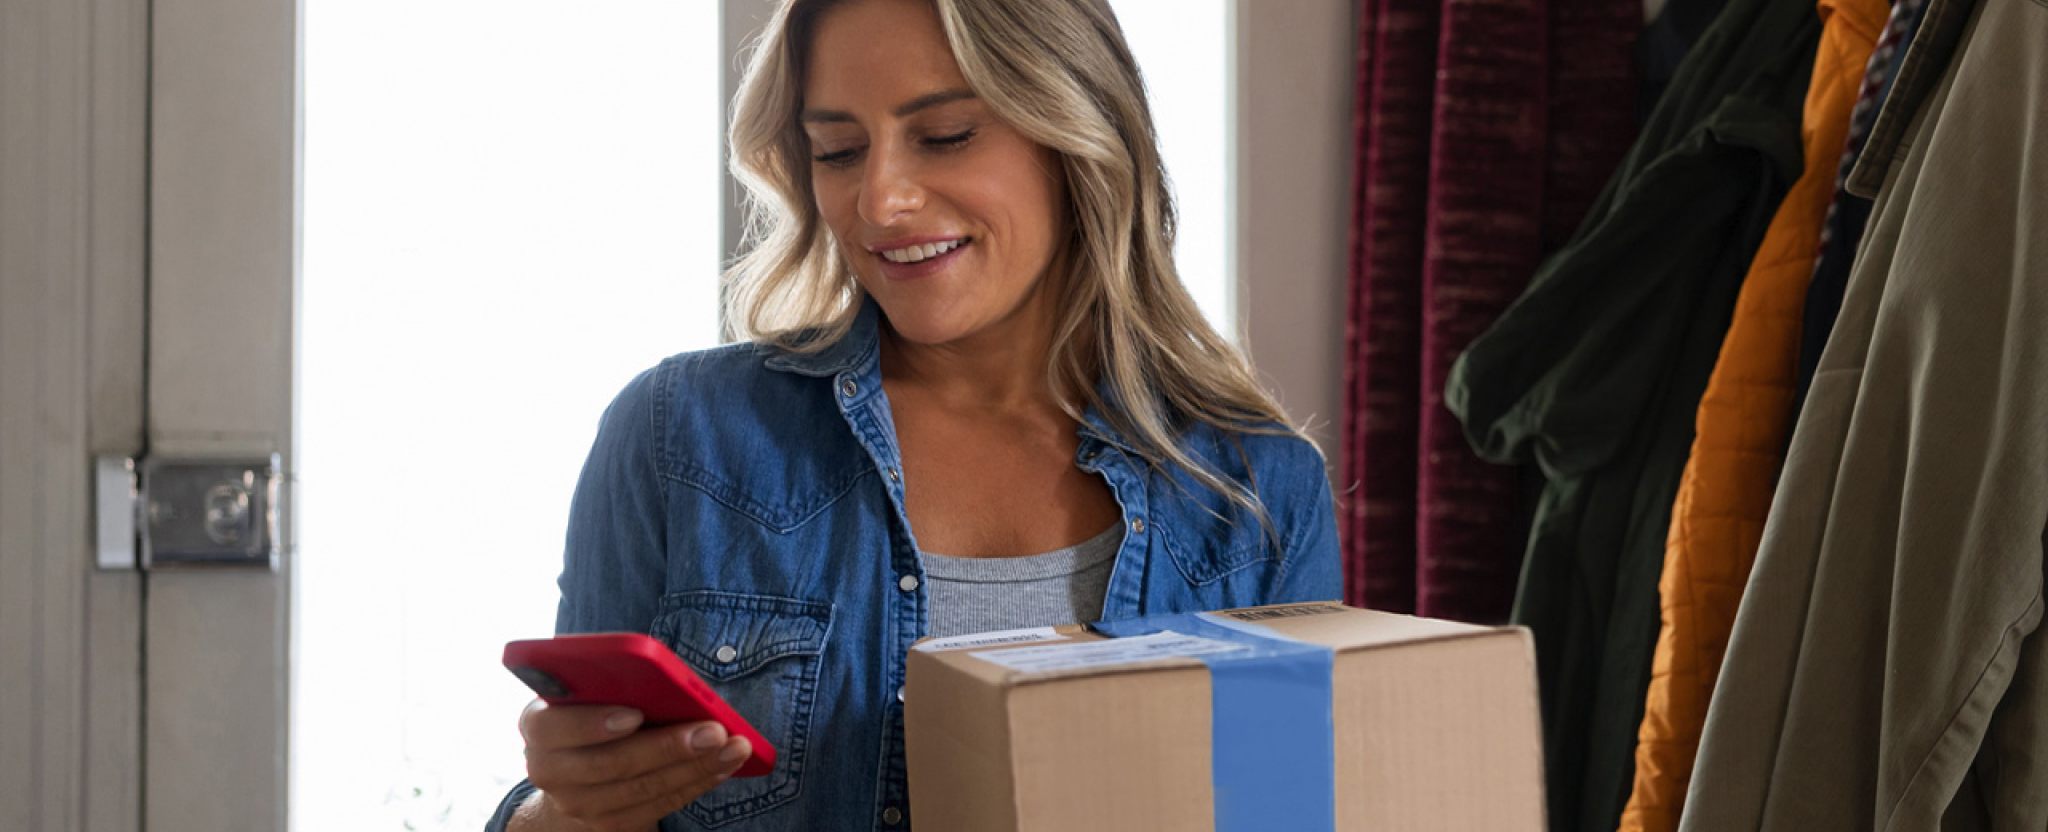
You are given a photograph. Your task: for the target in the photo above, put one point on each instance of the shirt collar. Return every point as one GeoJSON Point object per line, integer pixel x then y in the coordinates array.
{"type": "Point", "coordinates": [1097, 427]}
{"type": "Point", "coordinates": [857, 349]}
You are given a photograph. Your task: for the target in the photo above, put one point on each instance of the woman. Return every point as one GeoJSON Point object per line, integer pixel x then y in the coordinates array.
{"type": "Point", "coordinates": [973, 396]}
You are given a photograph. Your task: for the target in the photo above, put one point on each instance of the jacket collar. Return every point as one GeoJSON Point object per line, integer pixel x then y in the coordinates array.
{"type": "Point", "coordinates": [858, 349]}
{"type": "Point", "coordinates": [1095, 426]}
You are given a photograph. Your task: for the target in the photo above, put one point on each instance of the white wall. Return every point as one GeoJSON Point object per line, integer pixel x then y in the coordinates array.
{"type": "Point", "coordinates": [1294, 100]}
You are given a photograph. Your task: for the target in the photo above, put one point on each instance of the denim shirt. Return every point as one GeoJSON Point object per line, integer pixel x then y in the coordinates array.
{"type": "Point", "coordinates": [744, 505]}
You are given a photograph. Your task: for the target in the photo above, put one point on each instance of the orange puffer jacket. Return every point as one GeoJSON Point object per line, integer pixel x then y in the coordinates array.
{"type": "Point", "coordinates": [1744, 420]}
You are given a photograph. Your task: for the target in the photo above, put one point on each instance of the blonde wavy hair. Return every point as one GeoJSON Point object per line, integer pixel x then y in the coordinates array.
{"type": "Point", "coordinates": [1060, 73]}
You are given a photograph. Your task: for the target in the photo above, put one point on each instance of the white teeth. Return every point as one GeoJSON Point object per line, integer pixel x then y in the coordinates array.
{"type": "Point", "coordinates": [914, 254]}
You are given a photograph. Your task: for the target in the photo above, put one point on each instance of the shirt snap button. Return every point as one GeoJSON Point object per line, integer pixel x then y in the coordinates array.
{"type": "Point", "coordinates": [1137, 525]}
{"type": "Point", "coordinates": [895, 475]}
{"type": "Point", "coordinates": [726, 654]}
{"type": "Point", "coordinates": [892, 816]}
{"type": "Point", "coordinates": [849, 388]}
{"type": "Point", "coordinates": [908, 583]}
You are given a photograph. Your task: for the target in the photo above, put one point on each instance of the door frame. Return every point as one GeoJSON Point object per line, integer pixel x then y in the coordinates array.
{"type": "Point", "coordinates": [225, 146]}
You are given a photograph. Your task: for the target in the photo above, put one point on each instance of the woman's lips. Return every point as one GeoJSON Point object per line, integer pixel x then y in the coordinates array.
{"type": "Point", "coordinates": [922, 268]}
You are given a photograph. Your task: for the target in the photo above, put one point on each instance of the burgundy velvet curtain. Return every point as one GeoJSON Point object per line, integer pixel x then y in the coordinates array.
{"type": "Point", "coordinates": [1483, 131]}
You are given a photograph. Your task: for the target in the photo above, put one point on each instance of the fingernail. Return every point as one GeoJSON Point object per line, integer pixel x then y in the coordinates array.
{"type": "Point", "coordinates": [705, 738]}
{"type": "Point", "coordinates": [621, 721]}
{"type": "Point", "coordinates": [734, 752]}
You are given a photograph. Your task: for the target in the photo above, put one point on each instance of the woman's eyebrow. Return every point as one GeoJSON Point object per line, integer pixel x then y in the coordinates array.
{"type": "Point", "coordinates": [926, 101]}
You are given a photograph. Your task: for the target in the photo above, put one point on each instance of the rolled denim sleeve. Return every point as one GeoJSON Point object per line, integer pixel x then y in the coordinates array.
{"type": "Point", "coordinates": [503, 817]}
{"type": "Point", "coordinates": [614, 561]}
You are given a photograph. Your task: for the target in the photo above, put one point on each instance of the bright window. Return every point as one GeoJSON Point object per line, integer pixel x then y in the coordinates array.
{"type": "Point", "coordinates": [511, 208]}
{"type": "Point", "coordinates": [1183, 49]}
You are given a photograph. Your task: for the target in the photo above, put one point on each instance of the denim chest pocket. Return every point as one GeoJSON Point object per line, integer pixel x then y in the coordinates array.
{"type": "Point", "coordinates": [762, 655]}
{"type": "Point", "coordinates": [1207, 548]}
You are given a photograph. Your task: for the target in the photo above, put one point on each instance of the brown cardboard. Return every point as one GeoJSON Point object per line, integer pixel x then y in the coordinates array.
{"type": "Point", "coordinates": [1436, 729]}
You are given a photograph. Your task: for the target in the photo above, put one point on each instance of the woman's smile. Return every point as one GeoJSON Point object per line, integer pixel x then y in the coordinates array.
{"type": "Point", "coordinates": [915, 261]}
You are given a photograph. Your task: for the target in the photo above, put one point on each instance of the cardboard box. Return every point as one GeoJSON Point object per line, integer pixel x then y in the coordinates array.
{"type": "Point", "coordinates": [1431, 725]}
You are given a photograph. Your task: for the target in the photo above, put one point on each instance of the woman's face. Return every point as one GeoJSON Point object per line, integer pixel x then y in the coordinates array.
{"type": "Point", "coordinates": [905, 159]}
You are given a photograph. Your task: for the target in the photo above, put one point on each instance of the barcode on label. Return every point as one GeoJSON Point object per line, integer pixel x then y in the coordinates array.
{"type": "Point", "coordinates": [1165, 644]}
{"type": "Point", "coordinates": [992, 639]}
{"type": "Point", "coordinates": [1284, 612]}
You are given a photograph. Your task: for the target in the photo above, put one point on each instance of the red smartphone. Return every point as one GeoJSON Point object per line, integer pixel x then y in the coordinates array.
{"type": "Point", "coordinates": [633, 671]}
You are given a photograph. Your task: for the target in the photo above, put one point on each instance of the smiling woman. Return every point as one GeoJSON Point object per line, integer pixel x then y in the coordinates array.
{"type": "Point", "coordinates": [919, 171]}
{"type": "Point", "coordinates": [1056, 90]}
{"type": "Point", "coordinates": [965, 334]}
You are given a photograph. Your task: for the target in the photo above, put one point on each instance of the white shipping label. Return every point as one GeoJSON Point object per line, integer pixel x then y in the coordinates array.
{"type": "Point", "coordinates": [1160, 645]}
{"type": "Point", "coordinates": [993, 638]}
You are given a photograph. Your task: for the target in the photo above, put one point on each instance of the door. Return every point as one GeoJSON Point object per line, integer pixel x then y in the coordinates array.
{"type": "Point", "coordinates": [74, 252]}
{"type": "Point", "coordinates": [148, 255]}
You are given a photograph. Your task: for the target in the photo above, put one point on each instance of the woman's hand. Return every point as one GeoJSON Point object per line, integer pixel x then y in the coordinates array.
{"type": "Point", "coordinates": [595, 773]}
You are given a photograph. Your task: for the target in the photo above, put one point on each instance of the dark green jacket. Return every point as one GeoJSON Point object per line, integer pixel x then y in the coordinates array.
{"type": "Point", "coordinates": [1595, 376]}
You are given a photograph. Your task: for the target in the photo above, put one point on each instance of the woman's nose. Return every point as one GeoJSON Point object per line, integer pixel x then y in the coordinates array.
{"type": "Point", "coordinates": [889, 187]}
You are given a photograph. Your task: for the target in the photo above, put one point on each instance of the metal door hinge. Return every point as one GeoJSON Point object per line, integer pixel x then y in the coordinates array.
{"type": "Point", "coordinates": [188, 512]}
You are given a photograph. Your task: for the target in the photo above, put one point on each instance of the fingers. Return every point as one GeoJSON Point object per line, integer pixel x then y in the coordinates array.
{"type": "Point", "coordinates": [730, 757]}
{"type": "Point", "coordinates": [549, 727]}
{"type": "Point", "coordinates": [655, 794]}
{"type": "Point", "coordinates": [637, 755]}
{"type": "Point", "coordinates": [638, 801]}
{"type": "Point", "coordinates": [599, 766]}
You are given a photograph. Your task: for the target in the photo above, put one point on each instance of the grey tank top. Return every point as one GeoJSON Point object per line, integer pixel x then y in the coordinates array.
{"type": "Point", "coordinates": [1063, 586]}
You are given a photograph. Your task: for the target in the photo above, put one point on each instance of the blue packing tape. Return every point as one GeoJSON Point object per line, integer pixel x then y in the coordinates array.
{"type": "Point", "coordinates": [1273, 756]}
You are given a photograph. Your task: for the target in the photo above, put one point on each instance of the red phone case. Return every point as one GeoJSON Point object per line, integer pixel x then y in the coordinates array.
{"type": "Point", "coordinates": [634, 671]}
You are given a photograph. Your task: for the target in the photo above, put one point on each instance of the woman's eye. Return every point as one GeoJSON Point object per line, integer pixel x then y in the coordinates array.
{"type": "Point", "coordinates": [838, 159]}
{"type": "Point", "coordinates": [845, 158]}
{"type": "Point", "coordinates": [951, 141]}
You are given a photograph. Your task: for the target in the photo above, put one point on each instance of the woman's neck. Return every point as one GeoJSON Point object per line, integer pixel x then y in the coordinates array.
{"type": "Point", "coordinates": [1002, 367]}
{"type": "Point", "coordinates": [990, 370]}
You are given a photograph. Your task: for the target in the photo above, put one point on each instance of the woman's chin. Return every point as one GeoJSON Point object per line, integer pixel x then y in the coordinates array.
{"type": "Point", "coordinates": [946, 312]}
{"type": "Point", "coordinates": [928, 332]}
{"type": "Point", "coordinates": [924, 322]}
